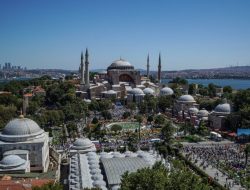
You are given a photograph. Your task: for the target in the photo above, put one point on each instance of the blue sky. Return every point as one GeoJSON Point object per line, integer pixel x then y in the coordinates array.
{"type": "Point", "coordinates": [188, 33]}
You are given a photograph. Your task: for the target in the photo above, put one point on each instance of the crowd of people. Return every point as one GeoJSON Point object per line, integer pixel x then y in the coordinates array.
{"type": "Point", "coordinates": [232, 154]}
{"type": "Point", "coordinates": [219, 156]}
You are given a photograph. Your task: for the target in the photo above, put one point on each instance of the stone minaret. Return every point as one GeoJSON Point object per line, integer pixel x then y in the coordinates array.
{"type": "Point", "coordinates": [87, 68]}
{"type": "Point", "coordinates": [82, 70]}
{"type": "Point", "coordinates": [159, 69]}
{"type": "Point", "coordinates": [148, 66]}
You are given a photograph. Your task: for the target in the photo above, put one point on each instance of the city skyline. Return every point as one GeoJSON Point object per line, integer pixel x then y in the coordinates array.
{"type": "Point", "coordinates": [189, 35]}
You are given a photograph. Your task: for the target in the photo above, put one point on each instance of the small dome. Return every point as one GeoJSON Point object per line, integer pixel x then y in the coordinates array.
{"type": "Point", "coordinates": [111, 92]}
{"type": "Point", "coordinates": [93, 162]}
{"type": "Point", "coordinates": [98, 183]}
{"type": "Point", "coordinates": [193, 110]}
{"type": "Point", "coordinates": [118, 155]}
{"type": "Point", "coordinates": [166, 91]}
{"type": "Point", "coordinates": [136, 91]}
{"type": "Point", "coordinates": [95, 171]}
{"type": "Point", "coordinates": [120, 64]}
{"type": "Point", "coordinates": [82, 143]}
{"type": "Point", "coordinates": [203, 113]}
{"type": "Point", "coordinates": [186, 99]}
{"type": "Point", "coordinates": [149, 91]}
{"type": "Point", "coordinates": [97, 177]}
{"type": "Point", "coordinates": [87, 100]}
{"type": "Point", "coordinates": [105, 155]}
{"type": "Point", "coordinates": [11, 161]}
{"type": "Point", "coordinates": [223, 108]}
{"type": "Point", "coordinates": [21, 127]}
{"type": "Point", "coordinates": [94, 166]}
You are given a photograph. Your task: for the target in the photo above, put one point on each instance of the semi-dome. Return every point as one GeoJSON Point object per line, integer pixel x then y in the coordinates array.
{"type": "Point", "coordinates": [120, 64]}
{"type": "Point", "coordinates": [20, 129]}
{"type": "Point", "coordinates": [136, 91]}
{"type": "Point", "coordinates": [193, 110]}
{"type": "Point", "coordinates": [166, 91]}
{"type": "Point", "coordinates": [82, 144]}
{"type": "Point", "coordinates": [11, 161]}
{"type": "Point", "coordinates": [186, 99]}
{"type": "Point", "coordinates": [203, 113]}
{"type": "Point", "coordinates": [149, 91]}
{"type": "Point", "coordinates": [223, 108]}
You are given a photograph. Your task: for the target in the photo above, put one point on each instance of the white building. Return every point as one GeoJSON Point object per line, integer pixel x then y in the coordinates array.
{"type": "Point", "coordinates": [166, 91]}
{"type": "Point", "coordinates": [89, 169]}
{"type": "Point", "coordinates": [24, 138]}
{"type": "Point", "coordinates": [135, 95]}
{"type": "Point", "coordinates": [217, 117]}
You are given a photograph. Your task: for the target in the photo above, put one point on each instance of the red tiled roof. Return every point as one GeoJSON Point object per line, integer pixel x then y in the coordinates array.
{"type": "Point", "coordinates": [23, 184]}
{"type": "Point", "coordinates": [28, 95]}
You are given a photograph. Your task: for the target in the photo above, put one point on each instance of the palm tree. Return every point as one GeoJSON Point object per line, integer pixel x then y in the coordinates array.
{"type": "Point", "coordinates": [247, 152]}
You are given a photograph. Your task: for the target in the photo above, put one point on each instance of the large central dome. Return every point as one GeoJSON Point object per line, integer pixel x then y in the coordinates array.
{"type": "Point", "coordinates": [120, 64]}
{"type": "Point", "coordinates": [20, 129]}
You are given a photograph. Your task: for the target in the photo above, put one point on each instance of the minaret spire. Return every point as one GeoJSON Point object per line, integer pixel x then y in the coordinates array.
{"type": "Point", "coordinates": [148, 66]}
{"type": "Point", "coordinates": [87, 67]}
{"type": "Point", "coordinates": [159, 69]}
{"type": "Point", "coordinates": [82, 70]}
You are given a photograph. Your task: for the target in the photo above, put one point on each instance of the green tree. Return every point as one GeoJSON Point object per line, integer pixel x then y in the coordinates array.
{"type": "Point", "coordinates": [247, 152]}
{"type": "Point", "coordinates": [150, 119]}
{"type": "Point", "coordinates": [212, 90]}
{"type": "Point", "coordinates": [167, 132]}
{"type": "Point", "coordinates": [95, 120]}
{"type": "Point", "coordinates": [105, 105]}
{"type": "Point", "coordinates": [191, 89]}
{"type": "Point", "coordinates": [241, 99]}
{"type": "Point", "coordinates": [179, 80]}
{"type": "Point", "coordinates": [49, 186]}
{"type": "Point", "coordinates": [107, 115]}
{"type": "Point", "coordinates": [159, 178]}
{"type": "Point", "coordinates": [6, 114]}
{"type": "Point", "coordinates": [126, 114]}
{"type": "Point", "coordinates": [202, 129]}
{"type": "Point", "coordinates": [227, 89]}
{"type": "Point", "coordinates": [116, 128]}
{"type": "Point", "coordinates": [165, 102]}
{"type": "Point", "coordinates": [131, 106]}
{"type": "Point", "coordinates": [245, 116]}
{"type": "Point", "coordinates": [145, 179]}
{"type": "Point", "coordinates": [159, 119]}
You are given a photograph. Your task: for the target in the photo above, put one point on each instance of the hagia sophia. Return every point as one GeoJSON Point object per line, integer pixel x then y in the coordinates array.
{"type": "Point", "coordinates": [120, 81]}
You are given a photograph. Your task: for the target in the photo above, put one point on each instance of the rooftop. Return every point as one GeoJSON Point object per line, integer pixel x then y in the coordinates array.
{"type": "Point", "coordinates": [115, 167]}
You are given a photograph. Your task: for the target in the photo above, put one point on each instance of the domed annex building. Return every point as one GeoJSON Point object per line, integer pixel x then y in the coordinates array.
{"type": "Point", "coordinates": [135, 95]}
{"type": "Point", "coordinates": [185, 106]}
{"type": "Point", "coordinates": [218, 116]}
{"type": "Point", "coordinates": [23, 146]}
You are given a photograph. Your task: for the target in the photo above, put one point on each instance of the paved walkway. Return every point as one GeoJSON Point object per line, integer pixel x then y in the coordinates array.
{"type": "Point", "coordinates": [221, 178]}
